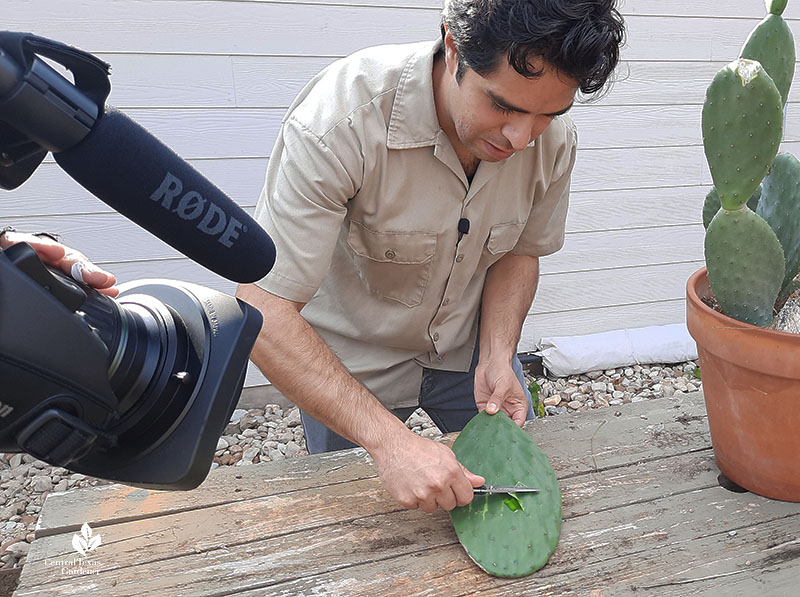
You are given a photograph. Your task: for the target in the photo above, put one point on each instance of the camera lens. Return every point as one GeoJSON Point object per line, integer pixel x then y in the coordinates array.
{"type": "Point", "coordinates": [152, 364]}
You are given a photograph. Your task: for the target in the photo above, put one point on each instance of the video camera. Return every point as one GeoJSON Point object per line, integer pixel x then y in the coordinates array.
{"type": "Point", "coordinates": [135, 389]}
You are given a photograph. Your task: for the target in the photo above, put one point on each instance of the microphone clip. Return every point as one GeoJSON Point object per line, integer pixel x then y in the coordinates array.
{"type": "Point", "coordinates": [40, 110]}
{"type": "Point", "coordinates": [463, 228]}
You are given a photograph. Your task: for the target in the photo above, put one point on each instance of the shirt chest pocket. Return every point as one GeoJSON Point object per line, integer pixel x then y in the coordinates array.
{"type": "Point", "coordinates": [393, 265]}
{"type": "Point", "coordinates": [502, 238]}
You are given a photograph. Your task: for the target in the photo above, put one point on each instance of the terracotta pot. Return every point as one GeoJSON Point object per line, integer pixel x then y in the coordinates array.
{"type": "Point", "coordinates": [751, 382]}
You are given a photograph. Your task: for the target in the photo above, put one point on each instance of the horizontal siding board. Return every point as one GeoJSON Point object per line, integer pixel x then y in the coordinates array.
{"type": "Point", "coordinates": [635, 208]}
{"type": "Point", "coordinates": [159, 80]}
{"type": "Point", "coordinates": [209, 27]}
{"type": "Point", "coordinates": [106, 238]}
{"type": "Point", "coordinates": [626, 248]}
{"type": "Point", "coordinates": [707, 8]}
{"type": "Point", "coordinates": [604, 319]}
{"type": "Point", "coordinates": [251, 132]}
{"type": "Point", "coordinates": [285, 29]}
{"type": "Point", "coordinates": [273, 80]}
{"type": "Point", "coordinates": [180, 81]}
{"type": "Point", "coordinates": [109, 238]}
{"type": "Point", "coordinates": [641, 167]}
{"type": "Point", "coordinates": [214, 132]}
{"type": "Point", "coordinates": [574, 322]}
{"type": "Point", "coordinates": [604, 288]}
{"type": "Point", "coordinates": [656, 171]}
{"type": "Point", "coordinates": [666, 82]}
{"type": "Point", "coordinates": [50, 191]}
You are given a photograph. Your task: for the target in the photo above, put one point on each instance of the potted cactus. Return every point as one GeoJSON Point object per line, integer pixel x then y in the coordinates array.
{"type": "Point", "coordinates": [751, 373]}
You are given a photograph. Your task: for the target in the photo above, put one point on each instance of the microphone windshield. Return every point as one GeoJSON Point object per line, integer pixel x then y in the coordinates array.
{"type": "Point", "coordinates": [125, 166]}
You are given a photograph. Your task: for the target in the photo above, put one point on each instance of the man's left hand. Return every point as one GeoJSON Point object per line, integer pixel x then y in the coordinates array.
{"type": "Point", "coordinates": [497, 388]}
{"type": "Point", "coordinates": [73, 263]}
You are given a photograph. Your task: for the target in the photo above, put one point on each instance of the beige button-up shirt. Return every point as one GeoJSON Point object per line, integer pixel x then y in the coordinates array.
{"type": "Point", "coordinates": [363, 197]}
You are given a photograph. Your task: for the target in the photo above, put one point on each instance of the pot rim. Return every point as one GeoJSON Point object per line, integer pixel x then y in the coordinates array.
{"type": "Point", "coordinates": [701, 277]}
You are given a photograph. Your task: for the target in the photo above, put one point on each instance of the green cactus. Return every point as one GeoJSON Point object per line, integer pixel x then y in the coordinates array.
{"type": "Point", "coordinates": [711, 205]}
{"type": "Point", "coordinates": [780, 208]}
{"type": "Point", "coordinates": [742, 128]}
{"type": "Point", "coordinates": [771, 43]}
{"type": "Point", "coordinates": [745, 265]}
{"type": "Point", "coordinates": [502, 540]}
{"type": "Point", "coordinates": [776, 7]}
{"type": "Point", "coordinates": [752, 251]}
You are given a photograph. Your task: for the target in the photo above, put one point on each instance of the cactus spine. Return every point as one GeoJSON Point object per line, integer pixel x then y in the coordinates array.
{"type": "Point", "coordinates": [752, 244]}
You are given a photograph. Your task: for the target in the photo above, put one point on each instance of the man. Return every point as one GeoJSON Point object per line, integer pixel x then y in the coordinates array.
{"type": "Point", "coordinates": [410, 193]}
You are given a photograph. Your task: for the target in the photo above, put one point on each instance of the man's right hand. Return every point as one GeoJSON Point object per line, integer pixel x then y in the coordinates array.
{"type": "Point", "coordinates": [421, 473]}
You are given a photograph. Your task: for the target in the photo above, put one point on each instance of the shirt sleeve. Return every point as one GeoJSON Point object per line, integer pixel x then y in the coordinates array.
{"type": "Point", "coordinates": [544, 231]}
{"type": "Point", "coordinates": [302, 207]}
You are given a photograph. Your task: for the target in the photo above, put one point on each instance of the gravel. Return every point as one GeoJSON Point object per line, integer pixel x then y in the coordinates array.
{"type": "Point", "coordinates": [275, 433]}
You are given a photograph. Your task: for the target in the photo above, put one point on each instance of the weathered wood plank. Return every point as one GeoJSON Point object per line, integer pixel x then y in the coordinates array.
{"type": "Point", "coordinates": [640, 547]}
{"type": "Point", "coordinates": [591, 446]}
{"type": "Point", "coordinates": [296, 552]}
{"type": "Point", "coordinates": [114, 504]}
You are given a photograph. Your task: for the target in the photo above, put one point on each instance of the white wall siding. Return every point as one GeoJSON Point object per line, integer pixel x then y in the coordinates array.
{"type": "Point", "coordinates": [213, 78]}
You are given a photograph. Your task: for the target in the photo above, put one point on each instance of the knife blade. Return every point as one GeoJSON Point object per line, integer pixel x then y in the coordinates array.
{"type": "Point", "coordinates": [492, 489]}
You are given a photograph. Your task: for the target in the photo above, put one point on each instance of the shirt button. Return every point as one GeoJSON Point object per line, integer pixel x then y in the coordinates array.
{"type": "Point", "coordinates": [445, 302]}
{"type": "Point", "coordinates": [390, 254]}
{"type": "Point", "coordinates": [459, 258]}
{"type": "Point", "coordinates": [436, 337]}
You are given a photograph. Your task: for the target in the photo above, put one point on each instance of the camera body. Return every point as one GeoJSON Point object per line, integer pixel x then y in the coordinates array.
{"type": "Point", "coordinates": [136, 389]}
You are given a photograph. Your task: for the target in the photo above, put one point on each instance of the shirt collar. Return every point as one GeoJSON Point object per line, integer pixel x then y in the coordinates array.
{"type": "Point", "coordinates": [413, 122]}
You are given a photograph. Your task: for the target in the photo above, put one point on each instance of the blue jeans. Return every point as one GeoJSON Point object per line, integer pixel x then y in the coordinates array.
{"type": "Point", "coordinates": [447, 397]}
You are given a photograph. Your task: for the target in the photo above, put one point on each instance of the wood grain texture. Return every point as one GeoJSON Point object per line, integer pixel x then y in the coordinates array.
{"type": "Point", "coordinates": [643, 514]}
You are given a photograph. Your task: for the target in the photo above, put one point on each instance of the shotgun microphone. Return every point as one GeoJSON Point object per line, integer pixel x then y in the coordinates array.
{"type": "Point", "coordinates": [128, 168]}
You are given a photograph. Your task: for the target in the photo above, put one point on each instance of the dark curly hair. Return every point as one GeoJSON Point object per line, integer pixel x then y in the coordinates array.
{"type": "Point", "coordinates": [580, 38]}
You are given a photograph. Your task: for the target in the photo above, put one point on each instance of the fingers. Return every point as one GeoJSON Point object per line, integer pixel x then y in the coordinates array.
{"type": "Point", "coordinates": [71, 262]}
{"type": "Point", "coordinates": [48, 250]}
{"type": "Point", "coordinates": [85, 271]}
{"type": "Point", "coordinates": [426, 475]}
{"type": "Point", "coordinates": [498, 388]}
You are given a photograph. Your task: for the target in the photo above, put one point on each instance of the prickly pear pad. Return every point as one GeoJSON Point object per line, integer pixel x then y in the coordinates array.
{"type": "Point", "coordinates": [504, 542]}
{"type": "Point", "coordinates": [745, 265]}
{"type": "Point", "coordinates": [742, 127]}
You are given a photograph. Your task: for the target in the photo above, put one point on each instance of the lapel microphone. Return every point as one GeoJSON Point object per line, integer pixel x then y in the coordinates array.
{"type": "Point", "coordinates": [463, 228]}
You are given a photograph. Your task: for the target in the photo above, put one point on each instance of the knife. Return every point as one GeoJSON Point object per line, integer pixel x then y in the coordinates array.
{"type": "Point", "coordinates": [491, 489]}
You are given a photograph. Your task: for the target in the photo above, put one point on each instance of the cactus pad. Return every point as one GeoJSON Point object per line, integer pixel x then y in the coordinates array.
{"type": "Point", "coordinates": [742, 129]}
{"type": "Point", "coordinates": [711, 205]}
{"type": "Point", "coordinates": [776, 7]}
{"type": "Point", "coordinates": [504, 541]}
{"type": "Point", "coordinates": [745, 265]}
{"type": "Point", "coordinates": [771, 43]}
{"type": "Point", "coordinates": [780, 207]}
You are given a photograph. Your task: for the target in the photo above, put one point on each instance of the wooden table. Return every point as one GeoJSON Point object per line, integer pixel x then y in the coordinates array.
{"type": "Point", "coordinates": [644, 514]}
